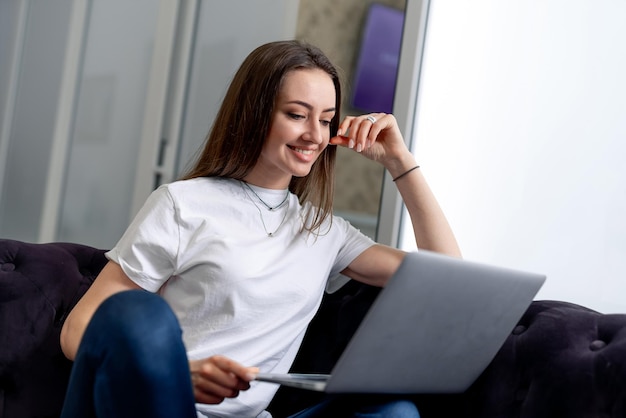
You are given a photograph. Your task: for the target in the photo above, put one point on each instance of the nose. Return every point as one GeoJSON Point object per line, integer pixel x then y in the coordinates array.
{"type": "Point", "coordinates": [314, 132]}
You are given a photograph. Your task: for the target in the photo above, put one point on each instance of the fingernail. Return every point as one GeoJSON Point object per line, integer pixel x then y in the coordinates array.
{"type": "Point", "coordinates": [351, 143]}
{"type": "Point", "coordinates": [359, 148]}
{"type": "Point", "coordinates": [368, 144]}
{"type": "Point", "coordinates": [252, 372]}
{"type": "Point", "coordinates": [339, 132]}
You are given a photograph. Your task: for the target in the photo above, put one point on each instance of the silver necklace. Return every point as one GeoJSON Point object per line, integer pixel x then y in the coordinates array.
{"type": "Point", "coordinates": [269, 234]}
{"type": "Point", "coordinates": [270, 208]}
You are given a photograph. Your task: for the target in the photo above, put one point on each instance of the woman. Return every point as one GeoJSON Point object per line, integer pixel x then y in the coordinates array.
{"type": "Point", "coordinates": [241, 250]}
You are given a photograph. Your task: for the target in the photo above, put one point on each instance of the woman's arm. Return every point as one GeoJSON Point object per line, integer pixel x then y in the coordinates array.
{"type": "Point", "coordinates": [430, 226]}
{"type": "Point", "coordinates": [381, 141]}
{"type": "Point", "coordinates": [111, 280]}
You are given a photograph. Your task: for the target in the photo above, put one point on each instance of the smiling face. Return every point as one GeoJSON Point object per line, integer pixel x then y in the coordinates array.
{"type": "Point", "coordinates": [299, 130]}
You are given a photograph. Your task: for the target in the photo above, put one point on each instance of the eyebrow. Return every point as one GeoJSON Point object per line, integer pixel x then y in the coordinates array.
{"type": "Point", "coordinates": [308, 106]}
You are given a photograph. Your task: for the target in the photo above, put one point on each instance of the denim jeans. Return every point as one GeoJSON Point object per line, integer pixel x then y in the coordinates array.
{"type": "Point", "coordinates": [361, 407]}
{"type": "Point", "coordinates": [132, 363]}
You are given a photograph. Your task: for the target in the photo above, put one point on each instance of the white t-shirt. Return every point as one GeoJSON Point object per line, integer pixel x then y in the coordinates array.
{"type": "Point", "coordinates": [203, 244]}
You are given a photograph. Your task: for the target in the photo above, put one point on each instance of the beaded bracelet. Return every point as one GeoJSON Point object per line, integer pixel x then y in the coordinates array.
{"type": "Point", "coordinates": [407, 172]}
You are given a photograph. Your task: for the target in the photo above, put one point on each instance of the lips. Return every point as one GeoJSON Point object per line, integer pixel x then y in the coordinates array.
{"type": "Point", "coordinates": [302, 150]}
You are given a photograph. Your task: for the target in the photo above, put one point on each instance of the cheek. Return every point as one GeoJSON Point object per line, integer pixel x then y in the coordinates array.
{"type": "Point", "coordinates": [275, 138]}
{"type": "Point", "coordinates": [323, 151]}
{"type": "Point", "coordinates": [284, 132]}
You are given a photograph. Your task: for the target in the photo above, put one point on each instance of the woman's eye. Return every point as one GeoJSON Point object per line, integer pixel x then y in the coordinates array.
{"type": "Point", "coordinates": [325, 122]}
{"type": "Point", "coordinates": [295, 116]}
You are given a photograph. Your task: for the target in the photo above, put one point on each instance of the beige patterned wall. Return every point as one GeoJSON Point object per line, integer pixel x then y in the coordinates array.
{"type": "Point", "coordinates": [335, 26]}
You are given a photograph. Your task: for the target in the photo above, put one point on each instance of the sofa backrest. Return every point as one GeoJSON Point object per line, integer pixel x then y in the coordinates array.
{"type": "Point", "coordinates": [39, 285]}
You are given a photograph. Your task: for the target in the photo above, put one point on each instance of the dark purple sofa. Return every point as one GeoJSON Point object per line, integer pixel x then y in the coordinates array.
{"type": "Point", "coordinates": [561, 360]}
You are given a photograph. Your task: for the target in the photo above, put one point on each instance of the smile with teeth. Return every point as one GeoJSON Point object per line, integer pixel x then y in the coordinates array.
{"type": "Point", "coordinates": [302, 151]}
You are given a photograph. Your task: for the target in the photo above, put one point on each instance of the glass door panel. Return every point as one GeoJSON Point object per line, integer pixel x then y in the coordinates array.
{"type": "Point", "coordinates": [109, 117]}
{"type": "Point", "coordinates": [224, 37]}
{"type": "Point", "coordinates": [32, 52]}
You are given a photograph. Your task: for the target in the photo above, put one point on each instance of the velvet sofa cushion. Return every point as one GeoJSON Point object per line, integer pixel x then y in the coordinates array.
{"type": "Point", "coordinates": [561, 360]}
{"type": "Point", "coordinates": [39, 284]}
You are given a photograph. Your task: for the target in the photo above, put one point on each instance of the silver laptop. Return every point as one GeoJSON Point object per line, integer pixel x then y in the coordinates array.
{"type": "Point", "coordinates": [434, 328]}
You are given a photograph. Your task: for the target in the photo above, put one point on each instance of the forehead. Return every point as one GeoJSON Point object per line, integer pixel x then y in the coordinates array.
{"type": "Point", "coordinates": [310, 85]}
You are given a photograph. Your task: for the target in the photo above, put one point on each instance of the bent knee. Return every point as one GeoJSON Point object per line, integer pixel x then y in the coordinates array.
{"type": "Point", "coordinates": [401, 409]}
{"type": "Point", "coordinates": [137, 315]}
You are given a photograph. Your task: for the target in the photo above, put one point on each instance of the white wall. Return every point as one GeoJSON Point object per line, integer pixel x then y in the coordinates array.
{"type": "Point", "coordinates": [521, 129]}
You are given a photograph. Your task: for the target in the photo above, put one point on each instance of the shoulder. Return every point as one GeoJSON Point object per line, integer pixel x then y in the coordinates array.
{"type": "Point", "coordinates": [201, 188]}
{"type": "Point", "coordinates": [334, 230]}
{"type": "Point", "coordinates": [332, 223]}
{"type": "Point", "coordinates": [198, 184]}
{"type": "Point", "coordinates": [340, 225]}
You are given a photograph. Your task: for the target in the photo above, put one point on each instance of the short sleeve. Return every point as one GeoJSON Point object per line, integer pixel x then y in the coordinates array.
{"type": "Point", "coordinates": [355, 242]}
{"type": "Point", "coordinates": [148, 250]}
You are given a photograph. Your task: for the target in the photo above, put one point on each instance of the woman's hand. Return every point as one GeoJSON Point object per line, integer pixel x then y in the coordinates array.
{"type": "Point", "coordinates": [219, 377]}
{"type": "Point", "coordinates": [376, 136]}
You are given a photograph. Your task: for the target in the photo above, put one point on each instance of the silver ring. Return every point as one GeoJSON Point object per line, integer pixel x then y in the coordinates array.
{"type": "Point", "coordinates": [371, 119]}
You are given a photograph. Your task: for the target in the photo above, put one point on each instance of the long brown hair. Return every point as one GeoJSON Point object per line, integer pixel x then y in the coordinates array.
{"type": "Point", "coordinates": [236, 139]}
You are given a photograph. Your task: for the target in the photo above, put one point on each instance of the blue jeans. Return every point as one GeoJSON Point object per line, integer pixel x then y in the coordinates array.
{"type": "Point", "coordinates": [132, 363]}
{"type": "Point", "coordinates": [361, 407]}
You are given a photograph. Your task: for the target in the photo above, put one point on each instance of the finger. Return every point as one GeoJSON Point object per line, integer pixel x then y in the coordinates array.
{"type": "Point", "coordinates": [375, 129]}
{"type": "Point", "coordinates": [229, 374]}
{"type": "Point", "coordinates": [212, 372]}
{"type": "Point", "coordinates": [210, 391]}
{"type": "Point", "coordinates": [368, 129]}
{"type": "Point", "coordinates": [344, 126]}
{"type": "Point", "coordinates": [350, 130]}
{"type": "Point", "coordinates": [360, 132]}
{"type": "Point", "coordinates": [206, 398]}
{"type": "Point", "coordinates": [363, 136]}
{"type": "Point", "coordinates": [342, 141]}
{"type": "Point", "coordinates": [223, 384]}
{"type": "Point", "coordinates": [242, 372]}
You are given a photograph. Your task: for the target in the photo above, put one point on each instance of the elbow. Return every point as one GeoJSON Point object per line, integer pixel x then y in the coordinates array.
{"type": "Point", "coordinates": [453, 252]}
{"type": "Point", "coordinates": [448, 249]}
{"type": "Point", "coordinates": [456, 252]}
{"type": "Point", "coordinates": [69, 346]}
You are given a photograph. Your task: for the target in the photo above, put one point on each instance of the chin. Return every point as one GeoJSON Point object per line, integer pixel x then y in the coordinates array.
{"type": "Point", "coordinates": [301, 173]}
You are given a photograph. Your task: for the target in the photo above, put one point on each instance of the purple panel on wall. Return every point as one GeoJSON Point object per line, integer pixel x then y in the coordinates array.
{"type": "Point", "coordinates": [377, 67]}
